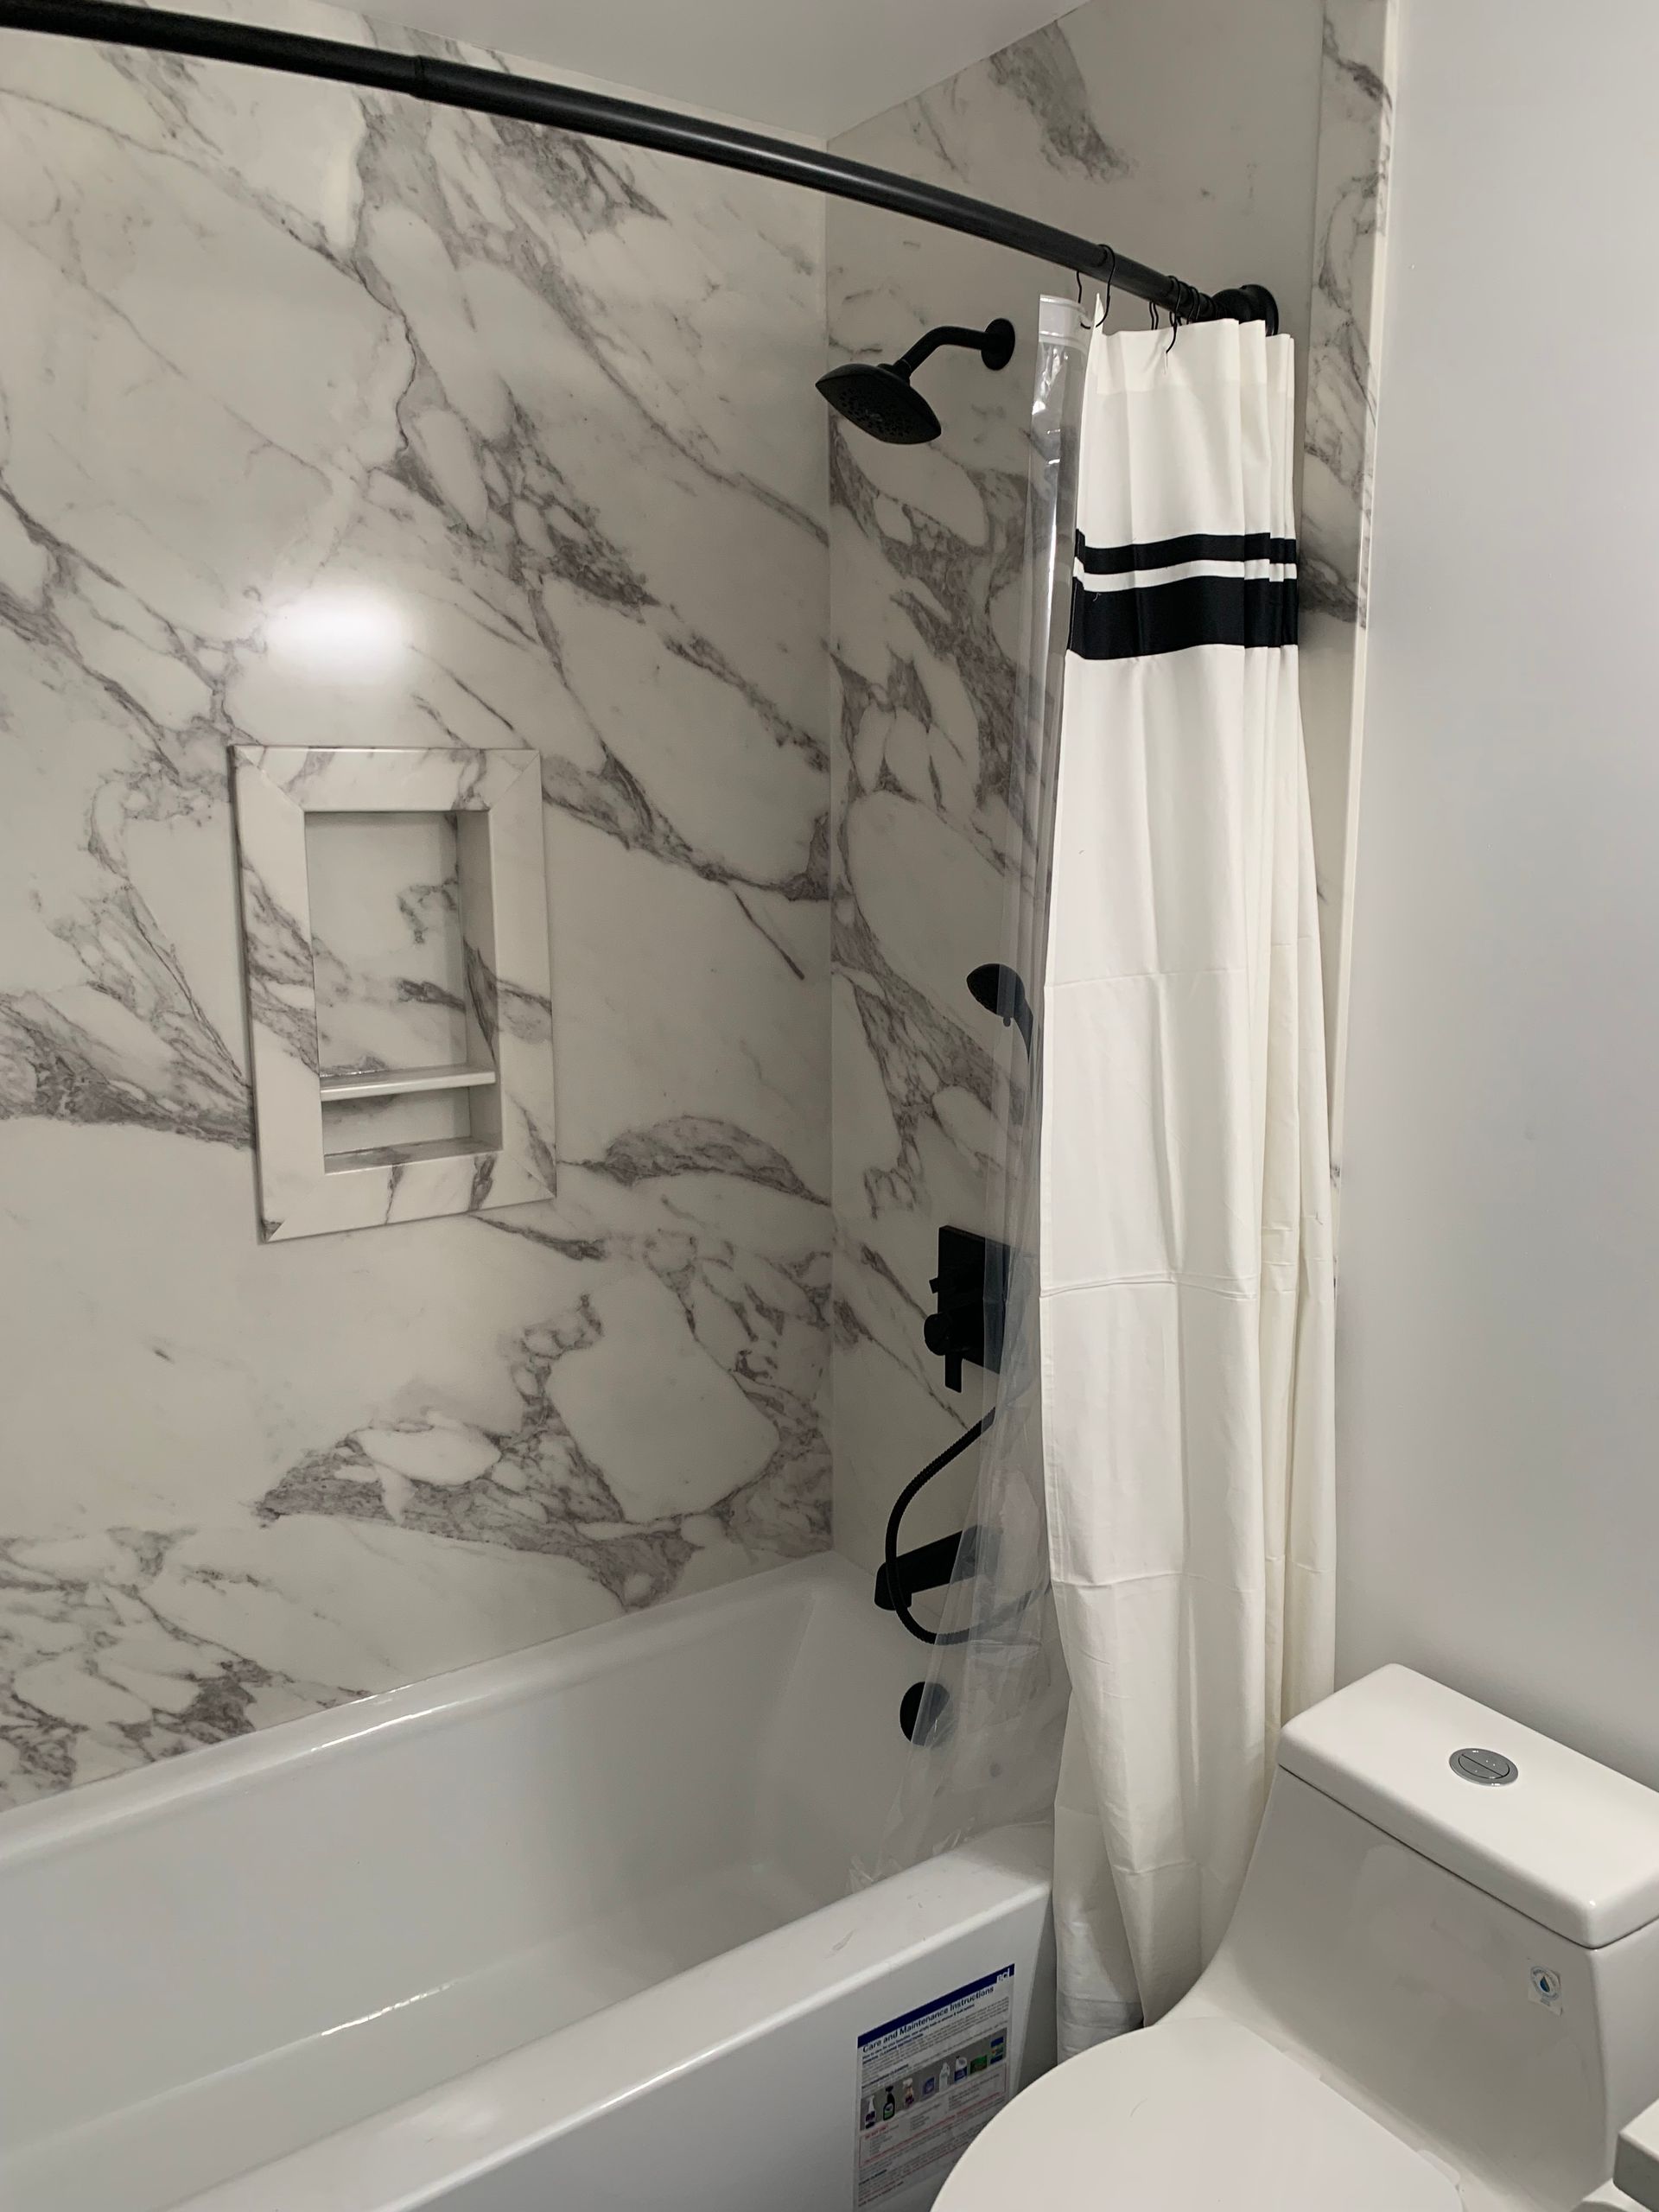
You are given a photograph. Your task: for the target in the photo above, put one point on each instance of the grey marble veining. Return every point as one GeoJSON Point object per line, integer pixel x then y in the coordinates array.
{"type": "Point", "coordinates": [1044, 72]}
{"type": "Point", "coordinates": [386, 954]}
{"type": "Point", "coordinates": [97, 1672]}
{"type": "Point", "coordinates": [1350, 220]}
{"type": "Point", "coordinates": [329, 420]}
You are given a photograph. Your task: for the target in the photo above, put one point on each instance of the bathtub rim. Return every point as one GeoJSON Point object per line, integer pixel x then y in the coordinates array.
{"type": "Point", "coordinates": [83, 1812]}
{"type": "Point", "coordinates": [396, 2161]}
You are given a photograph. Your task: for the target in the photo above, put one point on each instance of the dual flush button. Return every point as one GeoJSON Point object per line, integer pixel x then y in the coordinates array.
{"type": "Point", "coordinates": [1487, 1767]}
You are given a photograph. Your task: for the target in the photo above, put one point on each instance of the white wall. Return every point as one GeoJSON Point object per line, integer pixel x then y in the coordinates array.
{"type": "Point", "coordinates": [1500, 1301]}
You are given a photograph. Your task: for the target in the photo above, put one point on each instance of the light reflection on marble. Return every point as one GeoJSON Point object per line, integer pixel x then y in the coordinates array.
{"type": "Point", "coordinates": [272, 347]}
{"type": "Point", "coordinates": [1188, 135]}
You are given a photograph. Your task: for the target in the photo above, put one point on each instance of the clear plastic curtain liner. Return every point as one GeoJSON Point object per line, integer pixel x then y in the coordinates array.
{"type": "Point", "coordinates": [995, 1759]}
{"type": "Point", "coordinates": [1186, 1295]}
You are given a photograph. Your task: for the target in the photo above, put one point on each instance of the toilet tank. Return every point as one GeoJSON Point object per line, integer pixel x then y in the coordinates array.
{"type": "Point", "coordinates": [1456, 1919]}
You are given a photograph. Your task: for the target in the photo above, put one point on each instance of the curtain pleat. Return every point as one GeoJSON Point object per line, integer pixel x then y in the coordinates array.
{"type": "Point", "coordinates": [1186, 1299]}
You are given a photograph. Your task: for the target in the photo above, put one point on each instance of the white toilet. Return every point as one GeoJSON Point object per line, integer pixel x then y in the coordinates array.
{"type": "Point", "coordinates": [1440, 1989]}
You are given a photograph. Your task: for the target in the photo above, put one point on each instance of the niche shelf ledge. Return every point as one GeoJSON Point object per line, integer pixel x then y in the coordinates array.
{"type": "Point", "coordinates": [395, 1083]}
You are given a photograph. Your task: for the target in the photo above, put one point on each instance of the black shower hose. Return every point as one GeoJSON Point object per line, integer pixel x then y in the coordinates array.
{"type": "Point", "coordinates": [919, 1482]}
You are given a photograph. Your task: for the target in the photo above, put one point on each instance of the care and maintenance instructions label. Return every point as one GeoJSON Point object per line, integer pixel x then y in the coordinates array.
{"type": "Point", "coordinates": [928, 2082]}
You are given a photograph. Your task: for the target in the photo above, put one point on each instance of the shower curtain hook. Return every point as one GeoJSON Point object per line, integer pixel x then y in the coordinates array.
{"type": "Point", "coordinates": [1102, 309]}
{"type": "Point", "coordinates": [1186, 298]}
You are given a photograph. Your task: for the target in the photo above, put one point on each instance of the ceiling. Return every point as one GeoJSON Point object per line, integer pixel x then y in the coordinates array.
{"type": "Point", "coordinates": [813, 67]}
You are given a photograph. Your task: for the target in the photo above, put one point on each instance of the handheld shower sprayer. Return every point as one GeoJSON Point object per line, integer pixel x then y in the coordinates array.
{"type": "Point", "coordinates": [999, 989]}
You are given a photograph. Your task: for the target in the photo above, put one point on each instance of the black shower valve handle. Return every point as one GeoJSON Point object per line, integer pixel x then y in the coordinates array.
{"type": "Point", "coordinates": [971, 1291]}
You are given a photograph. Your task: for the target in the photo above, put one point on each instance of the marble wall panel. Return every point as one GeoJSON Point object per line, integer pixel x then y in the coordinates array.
{"type": "Point", "coordinates": [330, 419]}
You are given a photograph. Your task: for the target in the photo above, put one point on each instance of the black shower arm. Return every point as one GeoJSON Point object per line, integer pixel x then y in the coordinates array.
{"type": "Point", "coordinates": [948, 333]}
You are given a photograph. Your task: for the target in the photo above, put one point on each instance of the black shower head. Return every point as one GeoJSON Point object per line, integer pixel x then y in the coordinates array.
{"type": "Point", "coordinates": [878, 396]}
{"type": "Point", "coordinates": [872, 396]}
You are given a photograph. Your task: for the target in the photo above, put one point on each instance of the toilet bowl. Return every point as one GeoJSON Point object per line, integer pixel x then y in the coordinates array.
{"type": "Point", "coordinates": [1439, 1992]}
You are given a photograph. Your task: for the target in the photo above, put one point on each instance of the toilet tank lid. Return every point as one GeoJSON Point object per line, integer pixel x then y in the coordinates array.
{"type": "Point", "coordinates": [1570, 1843]}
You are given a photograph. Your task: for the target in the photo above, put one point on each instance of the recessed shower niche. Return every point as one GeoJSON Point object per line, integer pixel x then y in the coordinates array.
{"type": "Point", "coordinates": [394, 911]}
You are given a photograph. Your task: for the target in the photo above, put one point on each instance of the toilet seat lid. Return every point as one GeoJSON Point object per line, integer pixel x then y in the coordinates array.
{"type": "Point", "coordinates": [1192, 2115]}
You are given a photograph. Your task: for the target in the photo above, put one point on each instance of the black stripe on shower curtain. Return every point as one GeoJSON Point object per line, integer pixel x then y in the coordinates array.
{"type": "Point", "coordinates": [1172, 552]}
{"type": "Point", "coordinates": [1192, 611]}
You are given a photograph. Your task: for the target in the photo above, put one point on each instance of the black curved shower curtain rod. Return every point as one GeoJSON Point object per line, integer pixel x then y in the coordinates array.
{"type": "Point", "coordinates": [527, 100]}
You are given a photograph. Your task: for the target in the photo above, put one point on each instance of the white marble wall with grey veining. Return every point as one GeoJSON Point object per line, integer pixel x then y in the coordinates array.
{"type": "Point", "coordinates": [331, 419]}
{"type": "Point", "coordinates": [1190, 137]}
{"type": "Point", "coordinates": [387, 968]}
{"type": "Point", "coordinates": [1338, 470]}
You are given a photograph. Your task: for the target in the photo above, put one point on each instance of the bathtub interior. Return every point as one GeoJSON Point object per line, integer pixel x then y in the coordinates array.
{"type": "Point", "coordinates": [211, 1965]}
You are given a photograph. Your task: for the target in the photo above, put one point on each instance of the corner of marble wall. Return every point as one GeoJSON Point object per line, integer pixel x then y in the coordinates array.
{"type": "Point", "coordinates": [1357, 79]}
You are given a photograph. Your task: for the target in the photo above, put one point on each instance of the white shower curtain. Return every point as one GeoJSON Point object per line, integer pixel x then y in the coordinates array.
{"type": "Point", "coordinates": [1185, 1294]}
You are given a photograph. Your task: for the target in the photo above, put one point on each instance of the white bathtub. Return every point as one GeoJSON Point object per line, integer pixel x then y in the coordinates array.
{"type": "Point", "coordinates": [566, 1932]}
